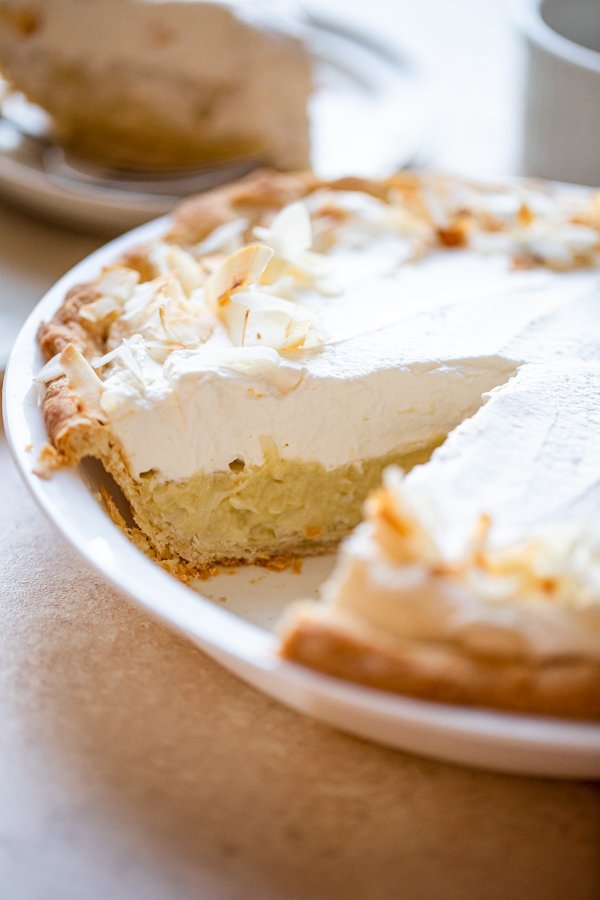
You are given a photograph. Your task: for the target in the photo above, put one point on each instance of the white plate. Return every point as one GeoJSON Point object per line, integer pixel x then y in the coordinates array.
{"type": "Point", "coordinates": [369, 116]}
{"type": "Point", "coordinates": [234, 627]}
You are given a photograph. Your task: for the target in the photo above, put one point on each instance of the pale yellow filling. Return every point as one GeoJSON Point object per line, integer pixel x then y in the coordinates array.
{"type": "Point", "coordinates": [281, 508]}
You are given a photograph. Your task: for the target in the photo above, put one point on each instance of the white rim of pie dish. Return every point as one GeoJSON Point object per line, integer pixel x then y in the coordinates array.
{"type": "Point", "coordinates": [528, 16]}
{"type": "Point", "coordinates": [470, 736]}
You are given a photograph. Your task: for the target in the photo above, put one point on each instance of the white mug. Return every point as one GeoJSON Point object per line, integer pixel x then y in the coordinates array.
{"type": "Point", "coordinates": [561, 113]}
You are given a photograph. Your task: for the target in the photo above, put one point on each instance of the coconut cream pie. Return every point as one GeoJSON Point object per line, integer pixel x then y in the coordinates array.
{"type": "Point", "coordinates": [163, 82]}
{"type": "Point", "coordinates": [247, 378]}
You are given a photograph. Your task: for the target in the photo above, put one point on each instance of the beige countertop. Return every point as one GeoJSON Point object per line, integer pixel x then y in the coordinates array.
{"type": "Point", "coordinates": [132, 767]}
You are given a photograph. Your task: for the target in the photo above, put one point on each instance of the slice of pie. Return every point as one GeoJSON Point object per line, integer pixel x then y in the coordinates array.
{"type": "Point", "coordinates": [476, 579]}
{"type": "Point", "coordinates": [163, 83]}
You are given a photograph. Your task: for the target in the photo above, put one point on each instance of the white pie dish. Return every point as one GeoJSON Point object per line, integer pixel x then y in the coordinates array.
{"type": "Point", "coordinates": [504, 742]}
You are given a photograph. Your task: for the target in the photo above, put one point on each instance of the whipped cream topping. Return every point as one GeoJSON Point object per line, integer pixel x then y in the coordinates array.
{"type": "Point", "coordinates": [532, 453]}
{"type": "Point", "coordinates": [339, 330]}
{"type": "Point", "coordinates": [537, 599]}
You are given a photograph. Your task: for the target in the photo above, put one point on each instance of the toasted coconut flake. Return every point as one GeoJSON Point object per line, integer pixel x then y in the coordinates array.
{"type": "Point", "coordinates": [558, 565]}
{"type": "Point", "coordinates": [101, 311]}
{"type": "Point", "coordinates": [169, 259]}
{"type": "Point", "coordinates": [290, 232]}
{"type": "Point", "coordinates": [118, 282]}
{"type": "Point", "coordinates": [260, 363]}
{"type": "Point", "coordinates": [53, 369]}
{"type": "Point", "coordinates": [525, 216]}
{"type": "Point", "coordinates": [435, 207]}
{"type": "Point", "coordinates": [481, 538]}
{"type": "Point", "coordinates": [113, 289]}
{"type": "Point", "coordinates": [456, 233]}
{"type": "Point", "coordinates": [226, 238]}
{"type": "Point", "coordinates": [237, 271]}
{"type": "Point", "coordinates": [558, 245]}
{"type": "Point", "coordinates": [82, 378]}
{"type": "Point", "coordinates": [291, 238]}
{"type": "Point", "coordinates": [254, 318]}
{"type": "Point", "coordinates": [147, 297]}
{"type": "Point", "coordinates": [100, 361]}
{"type": "Point", "coordinates": [398, 529]}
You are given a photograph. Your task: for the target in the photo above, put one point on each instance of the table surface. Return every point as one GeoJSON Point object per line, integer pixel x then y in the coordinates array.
{"type": "Point", "coordinates": [132, 766]}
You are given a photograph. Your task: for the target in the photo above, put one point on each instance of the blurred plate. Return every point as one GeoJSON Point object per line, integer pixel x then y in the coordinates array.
{"type": "Point", "coordinates": [369, 116]}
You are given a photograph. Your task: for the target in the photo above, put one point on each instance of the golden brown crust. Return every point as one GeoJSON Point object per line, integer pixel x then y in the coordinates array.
{"type": "Point", "coordinates": [71, 428]}
{"type": "Point", "coordinates": [250, 198]}
{"type": "Point", "coordinates": [181, 568]}
{"type": "Point", "coordinates": [255, 197]}
{"type": "Point", "coordinates": [138, 259]}
{"type": "Point", "coordinates": [339, 644]}
{"type": "Point", "coordinates": [65, 327]}
{"type": "Point", "coordinates": [263, 193]}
